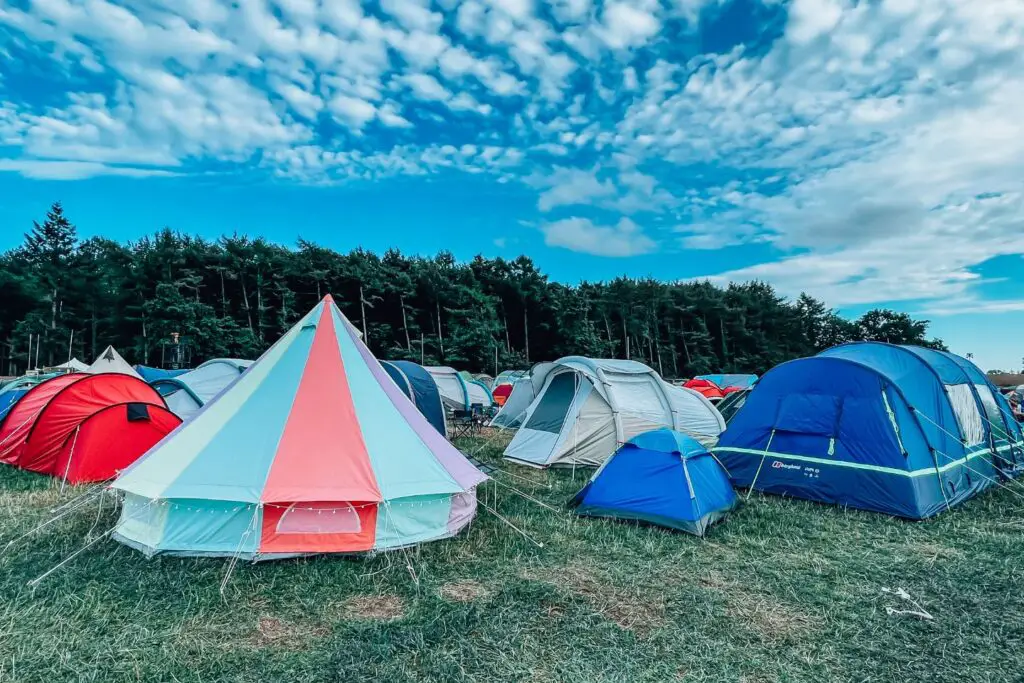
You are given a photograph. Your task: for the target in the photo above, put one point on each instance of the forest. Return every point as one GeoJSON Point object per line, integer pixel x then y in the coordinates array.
{"type": "Point", "coordinates": [235, 296]}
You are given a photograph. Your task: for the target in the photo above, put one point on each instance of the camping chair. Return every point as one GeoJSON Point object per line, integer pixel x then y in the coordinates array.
{"type": "Point", "coordinates": [462, 423]}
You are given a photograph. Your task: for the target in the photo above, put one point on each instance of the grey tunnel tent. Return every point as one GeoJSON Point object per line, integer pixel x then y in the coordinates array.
{"type": "Point", "coordinates": [186, 394]}
{"type": "Point", "coordinates": [579, 410]}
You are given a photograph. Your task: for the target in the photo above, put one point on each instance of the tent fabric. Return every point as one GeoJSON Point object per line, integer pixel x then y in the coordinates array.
{"type": "Point", "coordinates": [12, 392]}
{"type": "Point", "coordinates": [508, 377]}
{"type": "Point", "coordinates": [578, 410]}
{"type": "Point", "coordinates": [151, 375]}
{"type": "Point", "coordinates": [419, 386]}
{"type": "Point", "coordinates": [73, 365]}
{"type": "Point", "coordinates": [110, 361]}
{"type": "Point", "coordinates": [724, 381]}
{"type": "Point", "coordinates": [706, 388]}
{"type": "Point", "coordinates": [901, 430]}
{"type": "Point", "coordinates": [660, 477]}
{"type": "Point", "coordinates": [459, 391]}
{"type": "Point", "coordinates": [501, 394]}
{"type": "Point", "coordinates": [314, 449]}
{"type": "Point", "coordinates": [84, 428]}
{"type": "Point", "coordinates": [186, 394]}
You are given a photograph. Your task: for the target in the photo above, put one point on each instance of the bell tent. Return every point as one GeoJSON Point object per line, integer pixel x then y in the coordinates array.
{"type": "Point", "coordinates": [110, 361]}
{"type": "Point", "coordinates": [583, 408]}
{"type": "Point", "coordinates": [73, 365]}
{"type": "Point", "coordinates": [313, 450]}
{"type": "Point", "coordinates": [903, 430]}
{"type": "Point", "coordinates": [84, 428]}
{"type": "Point", "coordinates": [187, 393]}
{"type": "Point", "coordinates": [419, 386]}
{"type": "Point", "coordinates": [660, 477]}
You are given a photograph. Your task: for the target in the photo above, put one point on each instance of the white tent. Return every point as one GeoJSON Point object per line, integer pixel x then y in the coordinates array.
{"type": "Point", "coordinates": [186, 394]}
{"type": "Point", "coordinates": [456, 392]}
{"type": "Point", "coordinates": [110, 361]}
{"type": "Point", "coordinates": [582, 409]}
{"type": "Point", "coordinates": [73, 365]}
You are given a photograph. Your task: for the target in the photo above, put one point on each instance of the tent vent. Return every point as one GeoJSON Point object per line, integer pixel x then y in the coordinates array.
{"type": "Point", "coordinates": [138, 412]}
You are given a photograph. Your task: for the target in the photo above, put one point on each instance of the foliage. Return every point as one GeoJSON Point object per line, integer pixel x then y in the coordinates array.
{"type": "Point", "coordinates": [235, 296]}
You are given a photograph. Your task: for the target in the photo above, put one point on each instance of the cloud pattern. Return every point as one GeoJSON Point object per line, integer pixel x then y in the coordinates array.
{"type": "Point", "coordinates": [875, 149]}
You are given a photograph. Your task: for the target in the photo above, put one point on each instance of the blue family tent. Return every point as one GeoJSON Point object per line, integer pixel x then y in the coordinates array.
{"type": "Point", "coordinates": [660, 477]}
{"type": "Point", "coordinates": [419, 385]}
{"type": "Point", "coordinates": [903, 430]}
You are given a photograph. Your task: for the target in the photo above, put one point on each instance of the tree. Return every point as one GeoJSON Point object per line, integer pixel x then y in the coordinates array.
{"type": "Point", "coordinates": [48, 251]}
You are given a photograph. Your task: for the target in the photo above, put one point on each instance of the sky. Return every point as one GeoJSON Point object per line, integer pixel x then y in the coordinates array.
{"type": "Point", "coordinates": [870, 153]}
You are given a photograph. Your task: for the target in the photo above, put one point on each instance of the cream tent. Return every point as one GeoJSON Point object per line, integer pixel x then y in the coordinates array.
{"type": "Point", "coordinates": [583, 409]}
{"type": "Point", "coordinates": [111, 361]}
{"type": "Point", "coordinates": [457, 392]}
{"type": "Point", "coordinates": [73, 365]}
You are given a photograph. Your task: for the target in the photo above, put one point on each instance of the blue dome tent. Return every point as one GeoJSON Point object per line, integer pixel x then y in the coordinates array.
{"type": "Point", "coordinates": [903, 430]}
{"type": "Point", "coordinates": [418, 384]}
{"type": "Point", "coordinates": [660, 477]}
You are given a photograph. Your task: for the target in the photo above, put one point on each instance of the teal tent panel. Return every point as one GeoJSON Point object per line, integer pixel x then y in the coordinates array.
{"type": "Point", "coordinates": [412, 520]}
{"type": "Point", "coordinates": [142, 521]}
{"type": "Point", "coordinates": [211, 526]}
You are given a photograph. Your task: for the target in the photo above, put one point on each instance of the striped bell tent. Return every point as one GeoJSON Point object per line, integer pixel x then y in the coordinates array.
{"type": "Point", "coordinates": [314, 449]}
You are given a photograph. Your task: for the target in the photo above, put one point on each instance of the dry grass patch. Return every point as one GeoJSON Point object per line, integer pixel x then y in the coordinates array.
{"type": "Point", "coordinates": [273, 632]}
{"type": "Point", "coordinates": [637, 608]}
{"type": "Point", "coordinates": [374, 608]}
{"type": "Point", "coordinates": [936, 551]}
{"type": "Point", "coordinates": [769, 618]}
{"type": "Point", "coordinates": [464, 591]}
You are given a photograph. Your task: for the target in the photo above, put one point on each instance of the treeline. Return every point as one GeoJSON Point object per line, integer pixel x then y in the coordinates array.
{"type": "Point", "coordinates": [236, 296]}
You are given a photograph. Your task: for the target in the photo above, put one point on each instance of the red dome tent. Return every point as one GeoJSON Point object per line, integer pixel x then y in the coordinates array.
{"type": "Point", "coordinates": [84, 427]}
{"type": "Point", "coordinates": [706, 388]}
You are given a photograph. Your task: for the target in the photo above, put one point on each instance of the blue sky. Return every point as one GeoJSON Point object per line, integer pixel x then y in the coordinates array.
{"type": "Point", "coordinates": [869, 153]}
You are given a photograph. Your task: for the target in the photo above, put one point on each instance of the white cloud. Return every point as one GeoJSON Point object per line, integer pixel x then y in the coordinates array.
{"type": "Point", "coordinates": [426, 87]}
{"type": "Point", "coordinates": [352, 110]}
{"type": "Point", "coordinates": [809, 19]}
{"type": "Point", "coordinates": [74, 170]}
{"type": "Point", "coordinates": [627, 25]}
{"type": "Point", "coordinates": [580, 234]}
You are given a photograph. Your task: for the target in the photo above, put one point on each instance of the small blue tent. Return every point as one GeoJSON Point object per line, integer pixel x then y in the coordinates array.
{"type": "Point", "coordinates": [660, 477]}
{"type": "Point", "coordinates": [420, 387]}
{"type": "Point", "coordinates": [903, 430]}
{"type": "Point", "coordinates": [9, 397]}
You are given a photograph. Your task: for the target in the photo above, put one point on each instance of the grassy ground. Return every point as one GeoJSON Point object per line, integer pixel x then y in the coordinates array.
{"type": "Point", "coordinates": [782, 591]}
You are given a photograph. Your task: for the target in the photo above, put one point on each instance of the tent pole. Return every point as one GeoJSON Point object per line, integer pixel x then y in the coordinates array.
{"type": "Point", "coordinates": [71, 344]}
{"type": "Point", "coordinates": [761, 464]}
{"type": "Point", "coordinates": [67, 469]}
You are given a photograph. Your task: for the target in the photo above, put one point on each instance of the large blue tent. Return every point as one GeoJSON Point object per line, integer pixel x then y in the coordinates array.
{"type": "Point", "coordinates": [903, 430]}
{"type": "Point", "coordinates": [419, 385]}
{"type": "Point", "coordinates": [660, 477]}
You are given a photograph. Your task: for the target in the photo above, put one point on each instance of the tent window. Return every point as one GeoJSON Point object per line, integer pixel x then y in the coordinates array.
{"type": "Point", "coordinates": [320, 518]}
{"type": "Point", "coordinates": [992, 413]}
{"type": "Point", "coordinates": [967, 415]}
{"type": "Point", "coordinates": [138, 412]}
{"type": "Point", "coordinates": [549, 415]}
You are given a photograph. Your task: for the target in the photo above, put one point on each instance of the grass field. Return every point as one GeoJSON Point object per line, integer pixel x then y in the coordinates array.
{"type": "Point", "coordinates": [782, 591]}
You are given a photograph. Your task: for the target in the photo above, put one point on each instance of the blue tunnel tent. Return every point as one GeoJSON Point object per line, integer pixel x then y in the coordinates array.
{"type": "Point", "coordinates": [903, 430]}
{"type": "Point", "coordinates": [151, 374]}
{"type": "Point", "coordinates": [660, 477]}
{"type": "Point", "coordinates": [418, 384]}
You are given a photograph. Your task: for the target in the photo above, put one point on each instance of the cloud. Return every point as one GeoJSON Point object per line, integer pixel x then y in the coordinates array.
{"type": "Point", "coordinates": [75, 170]}
{"type": "Point", "coordinates": [580, 234]}
{"type": "Point", "coordinates": [872, 152]}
